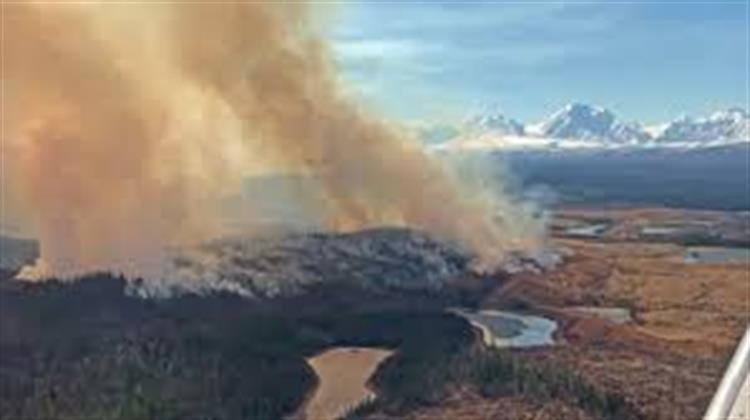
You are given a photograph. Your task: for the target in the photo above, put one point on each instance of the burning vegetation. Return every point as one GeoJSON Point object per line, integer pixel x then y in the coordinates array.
{"type": "Point", "coordinates": [121, 144]}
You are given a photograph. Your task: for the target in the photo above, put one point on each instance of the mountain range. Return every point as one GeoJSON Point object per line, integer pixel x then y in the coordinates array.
{"type": "Point", "coordinates": [579, 125]}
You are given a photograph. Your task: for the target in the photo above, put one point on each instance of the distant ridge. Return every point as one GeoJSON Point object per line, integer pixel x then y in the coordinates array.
{"type": "Point", "coordinates": [580, 125]}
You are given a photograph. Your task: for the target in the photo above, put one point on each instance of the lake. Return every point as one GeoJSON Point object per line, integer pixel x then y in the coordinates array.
{"type": "Point", "coordinates": [343, 373]}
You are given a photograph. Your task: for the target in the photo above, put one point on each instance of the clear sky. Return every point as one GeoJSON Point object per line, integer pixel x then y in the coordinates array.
{"type": "Point", "coordinates": [647, 60]}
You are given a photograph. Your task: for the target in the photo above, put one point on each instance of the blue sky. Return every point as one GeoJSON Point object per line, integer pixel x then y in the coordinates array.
{"type": "Point", "coordinates": [648, 61]}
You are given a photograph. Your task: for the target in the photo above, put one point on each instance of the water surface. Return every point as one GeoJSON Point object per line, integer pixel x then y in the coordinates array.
{"type": "Point", "coordinates": [614, 315]}
{"type": "Point", "coordinates": [704, 255]}
{"type": "Point", "coordinates": [343, 373]}
{"type": "Point", "coordinates": [661, 230]}
{"type": "Point", "coordinates": [593, 230]}
{"type": "Point", "coordinates": [512, 330]}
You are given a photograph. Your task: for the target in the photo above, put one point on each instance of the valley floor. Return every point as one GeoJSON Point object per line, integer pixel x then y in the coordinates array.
{"type": "Point", "coordinates": [686, 318]}
{"type": "Point", "coordinates": [645, 332]}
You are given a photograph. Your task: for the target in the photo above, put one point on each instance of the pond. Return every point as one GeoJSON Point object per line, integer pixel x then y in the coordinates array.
{"type": "Point", "coordinates": [614, 315]}
{"type": "Point", "coordinates": [706, 255]}
{"type": "Point", "coordinates": [588, 231]}
{"type": "Point", "coordinates": [511, 330]}
{"type": "Point", "coordinates": [661, 230]}
{"type": "Point", "coordinates": [343, 373]}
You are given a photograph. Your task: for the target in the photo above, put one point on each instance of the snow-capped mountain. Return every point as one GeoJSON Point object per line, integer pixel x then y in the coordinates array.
{"type": "Point", "coordinates": [728, 125]}
{"type": "Point", "coordinates": [586, 122]}
{"type": "Point", "coordinates": [495, 123]}
{"type": "Point", "coordinates": [579, 125]}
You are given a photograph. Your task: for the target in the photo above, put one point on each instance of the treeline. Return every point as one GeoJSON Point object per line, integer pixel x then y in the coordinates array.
{"type": "Point", "coordinates": [87, 350]}
{"type": "Point", "coordinates": [493, 374]}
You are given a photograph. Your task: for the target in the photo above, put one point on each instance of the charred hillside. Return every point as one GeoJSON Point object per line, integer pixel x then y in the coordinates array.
{"type": "Point", "coordinates": [92, 348]}
{"type": "Point", "coordinates": [288, 265]}
{"type": "Point", "coordinates": [88, 350]}
{"type": "Point", "coordinates": [386, 258]}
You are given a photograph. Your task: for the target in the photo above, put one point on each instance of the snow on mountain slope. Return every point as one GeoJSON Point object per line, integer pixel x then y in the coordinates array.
{"type": "Point", "coordinates": [495, 123]}
{"type": "Point", "coordinates": [582, 126]}
{"type": "Point", "coordinates": [586, 122]}
{"type": "Point", "coordinates": [728, 125]}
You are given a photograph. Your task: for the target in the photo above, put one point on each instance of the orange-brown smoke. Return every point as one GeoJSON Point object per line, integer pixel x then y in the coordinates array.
{"type": "Point", "coordinates": [125, 123]}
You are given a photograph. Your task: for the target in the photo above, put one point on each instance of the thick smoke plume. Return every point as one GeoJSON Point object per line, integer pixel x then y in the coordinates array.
{"type": "Point", "coordinates": [125, 125]}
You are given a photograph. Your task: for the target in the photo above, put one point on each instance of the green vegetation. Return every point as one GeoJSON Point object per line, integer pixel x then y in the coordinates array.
{"type": "Point", "coordinates": [498, 373]}
{"type": "Point", "coordinates": [492, 373]}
